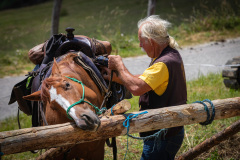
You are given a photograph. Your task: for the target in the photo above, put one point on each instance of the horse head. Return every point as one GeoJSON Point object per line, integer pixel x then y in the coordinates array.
{"type": "Point", "coordinates": [70, 92]}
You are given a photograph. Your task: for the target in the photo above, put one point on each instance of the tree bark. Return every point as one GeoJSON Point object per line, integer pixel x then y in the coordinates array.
{"type": "Point", "coordinates": [66, 134]}
{"type": "Point", "coordinates": [55, 16]}
{"type": "Point", "coordinates": [211, 142]}
{"type": "Point", "coordinates": [151, 7]}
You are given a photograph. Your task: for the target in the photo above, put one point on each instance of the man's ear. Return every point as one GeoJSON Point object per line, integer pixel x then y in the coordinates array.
{"type": "Point", "coordinates": [55, 69]}
{"type": "Point", "coordinates": [36, 96]}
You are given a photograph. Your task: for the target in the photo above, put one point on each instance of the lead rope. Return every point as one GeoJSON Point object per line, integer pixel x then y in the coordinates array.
{"type": "Point", "coordinates": [158, 135]}
{"type": "Point", "coordinates": [209, 118]}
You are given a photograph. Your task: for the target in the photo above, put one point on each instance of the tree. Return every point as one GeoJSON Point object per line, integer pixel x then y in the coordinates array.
{"type": "Point", "coordinates": [55, 16]}
{"type": "Point", "coordinates": [151, 7]}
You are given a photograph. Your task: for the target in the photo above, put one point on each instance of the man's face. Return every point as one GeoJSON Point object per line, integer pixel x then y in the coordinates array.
{"type": "Point", "coordinates": [145, 44]}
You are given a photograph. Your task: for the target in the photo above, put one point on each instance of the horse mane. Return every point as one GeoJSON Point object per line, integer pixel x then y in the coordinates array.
{"type": "Point", "coordinates": [67, 58]}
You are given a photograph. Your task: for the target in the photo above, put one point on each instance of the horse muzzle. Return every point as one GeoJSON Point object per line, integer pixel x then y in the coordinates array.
{"type": "Point", "coordinates": [88, 120]}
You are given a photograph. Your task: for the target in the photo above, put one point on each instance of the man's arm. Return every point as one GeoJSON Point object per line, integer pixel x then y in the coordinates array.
{"type": "Point", "coordinates": [134, 84]}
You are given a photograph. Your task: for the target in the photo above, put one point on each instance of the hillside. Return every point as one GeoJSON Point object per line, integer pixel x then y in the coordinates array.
{"type": "Point", "coordinates": [192, 22]}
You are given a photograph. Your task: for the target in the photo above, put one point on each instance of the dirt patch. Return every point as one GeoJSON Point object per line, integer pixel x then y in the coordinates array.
{"type": "Point", "coordinates": [229, 149]}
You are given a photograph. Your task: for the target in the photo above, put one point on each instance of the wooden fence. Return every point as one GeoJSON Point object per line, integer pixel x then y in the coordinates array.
{"type": "Point", "coordinates": [68, 134]}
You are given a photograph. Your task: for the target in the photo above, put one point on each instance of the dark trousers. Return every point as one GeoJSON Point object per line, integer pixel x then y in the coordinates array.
{"type": "Point", "coordinates": [167, 149]}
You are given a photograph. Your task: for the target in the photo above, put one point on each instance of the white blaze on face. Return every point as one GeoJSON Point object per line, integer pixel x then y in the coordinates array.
{"type": "Point", "coordinates": [61, 101]}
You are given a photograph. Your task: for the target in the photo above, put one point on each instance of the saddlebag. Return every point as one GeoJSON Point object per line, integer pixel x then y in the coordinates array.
{"type": "Point", "coordinates": [19, 90]}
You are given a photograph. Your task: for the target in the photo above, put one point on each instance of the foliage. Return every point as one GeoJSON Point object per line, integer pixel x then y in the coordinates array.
{"type": "Point", "coordinates": [214, 18]}
{"type": "Point", "coordinates": [193, 22]}
{"type": "Point", "coordinates": [16, 63]}
{"type": "Point", "coordinates": [121, 43]}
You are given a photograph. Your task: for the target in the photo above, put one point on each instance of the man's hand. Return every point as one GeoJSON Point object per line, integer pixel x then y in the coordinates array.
{"type": "Point", "coordinates": [115, 63]}
{"type": "Point", "coordinates": [106, 73]}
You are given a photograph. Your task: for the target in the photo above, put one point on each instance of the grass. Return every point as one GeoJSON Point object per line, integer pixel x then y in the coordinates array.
{"type": "Point", "coordinates": [194, 22]}
{"type": "Point", "coordinates": [206, 87]}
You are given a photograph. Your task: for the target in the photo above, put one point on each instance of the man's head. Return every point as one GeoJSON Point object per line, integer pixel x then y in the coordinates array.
{"type": "Point", "coordinates": [154, 29]}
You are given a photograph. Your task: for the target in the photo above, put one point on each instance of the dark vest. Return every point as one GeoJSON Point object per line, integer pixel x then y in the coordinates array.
{"type": "Point", "coordinates": [176, 92]}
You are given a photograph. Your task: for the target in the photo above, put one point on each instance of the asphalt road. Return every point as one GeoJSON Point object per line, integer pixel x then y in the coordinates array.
{"type": "Point", "coordinates": [198, 60]}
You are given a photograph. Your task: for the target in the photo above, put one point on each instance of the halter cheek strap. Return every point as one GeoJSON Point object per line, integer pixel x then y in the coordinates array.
{"type": "Point", "coordinates": [98, 111]}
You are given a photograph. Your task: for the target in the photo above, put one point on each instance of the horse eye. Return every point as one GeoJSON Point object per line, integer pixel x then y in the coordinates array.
{"type": "Point", "coordinates": [67, 85]}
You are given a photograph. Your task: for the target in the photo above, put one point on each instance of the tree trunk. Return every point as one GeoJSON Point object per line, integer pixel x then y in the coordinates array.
{"type": "Point", "coordinates": [151, 7]}
{"type": "Point", "coordinates": [66, 134]}
{"type": "Point", "coordinates": [55, 16]}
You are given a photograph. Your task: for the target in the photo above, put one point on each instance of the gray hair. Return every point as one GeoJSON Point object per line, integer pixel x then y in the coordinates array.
{"type": "Point", "coordinates": [153, 27]}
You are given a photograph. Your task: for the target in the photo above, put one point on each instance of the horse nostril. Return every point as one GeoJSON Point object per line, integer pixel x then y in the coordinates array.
{"type": "Point", "coordinates": [90, 120]}
{"type": "Point", "coordinates": [87, 118]}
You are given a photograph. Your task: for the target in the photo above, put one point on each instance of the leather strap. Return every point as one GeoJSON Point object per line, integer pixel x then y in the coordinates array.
{"type": "Point", "coordinates": [109, 92]}
{"type": "Point", "coordinates": [113, 145]}
{"type": "Point", "coordinates": [19, 125]}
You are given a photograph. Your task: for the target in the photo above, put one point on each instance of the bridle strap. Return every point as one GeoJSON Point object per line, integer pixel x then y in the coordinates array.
{"type": "Point", "coordinates": [98, 111]}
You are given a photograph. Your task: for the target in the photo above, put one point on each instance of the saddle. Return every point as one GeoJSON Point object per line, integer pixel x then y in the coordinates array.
{"type": "Point", "coordinates": [91, 54]}
{"type": "Point", "coordinates": [60, 44]}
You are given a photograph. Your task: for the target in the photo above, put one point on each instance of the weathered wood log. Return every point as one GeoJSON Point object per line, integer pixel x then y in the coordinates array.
{"type": "Point", "coordinates": [211, 142]}
{"type": "Point", "coordinates": [66, 134]}
{"type": "Point", "coordinates": [120, 108]}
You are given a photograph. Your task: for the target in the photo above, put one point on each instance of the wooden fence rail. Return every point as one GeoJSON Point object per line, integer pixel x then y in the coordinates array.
{"type": "Point", "coordinates": [67, 134]}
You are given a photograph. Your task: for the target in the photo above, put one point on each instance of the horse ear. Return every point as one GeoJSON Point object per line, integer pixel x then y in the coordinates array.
{"type": "Point", "coordinates": [36, 96]}
{"type": "Point", "coordinates": [55, 69]}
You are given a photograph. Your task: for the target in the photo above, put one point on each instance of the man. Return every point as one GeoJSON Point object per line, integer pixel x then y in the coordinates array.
{"type": "Point", "coordinates": [163, 84]}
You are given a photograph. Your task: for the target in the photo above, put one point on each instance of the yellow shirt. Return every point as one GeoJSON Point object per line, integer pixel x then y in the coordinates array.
{"type": "Point", "coordinates": [156, 76]}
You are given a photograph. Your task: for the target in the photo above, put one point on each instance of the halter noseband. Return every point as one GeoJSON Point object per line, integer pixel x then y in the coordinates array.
{"type": "Point", "coordinates": [98, 111]}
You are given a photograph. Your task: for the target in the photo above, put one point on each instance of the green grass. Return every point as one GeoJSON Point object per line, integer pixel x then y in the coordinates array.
{"type": "Point", "coordinates": [206, 87]}
{"type": "Point", "coordinates": [193, 22]}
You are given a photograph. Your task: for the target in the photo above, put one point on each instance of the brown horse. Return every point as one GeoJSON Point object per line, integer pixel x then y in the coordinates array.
{"type": "Point", "coordinates": [68, 84]}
